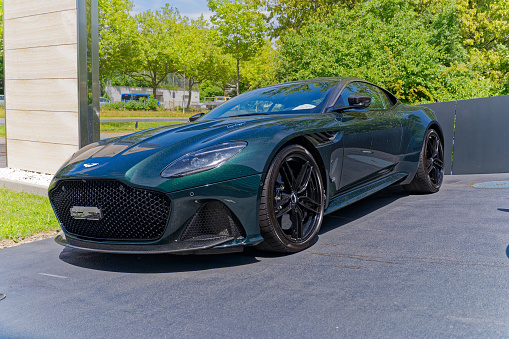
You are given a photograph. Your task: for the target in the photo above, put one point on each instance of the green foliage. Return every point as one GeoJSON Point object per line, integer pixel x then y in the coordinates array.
{"type": "Point", "coordinates": [117, 31]}
{"type": "Point", "coordinates": [209, 89]}
{"type": "Point", "coordinates": [24, 214]}
{"type": "Point", "coordinates": [292, 15]}
{"type": "Point", "coordinates": [410, 47]}
{"type": "Point", "coordinates": [156, 46]}
{"type": "Point", "coordinates": [485, 31]}
{"type": "Point", "coordinates": [240, 29]}
{"type": "Point", "coordinates": [260, 71]}
{"type": "Point", "coordinates": [130, 127]}
{"type": "Point", "coordinates": [120, 79]}
{"type": "Point", "coordinates": [143, 104]}
{"type": "Point", "coordinates": [422, 50]}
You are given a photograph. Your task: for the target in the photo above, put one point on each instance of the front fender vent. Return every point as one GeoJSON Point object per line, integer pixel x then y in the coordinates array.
{"type": "Point", "coordinates": [323, 137]}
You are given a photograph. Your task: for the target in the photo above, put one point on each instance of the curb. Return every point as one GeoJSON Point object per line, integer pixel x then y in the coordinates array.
{"type": "Point", "coordinates": [19, 186]}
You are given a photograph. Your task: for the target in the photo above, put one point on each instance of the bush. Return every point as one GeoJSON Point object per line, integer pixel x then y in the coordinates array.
{"type": "Point", "coordinates": [149, 104]}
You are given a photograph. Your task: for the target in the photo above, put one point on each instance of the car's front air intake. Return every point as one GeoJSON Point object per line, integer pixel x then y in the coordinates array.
{"type": "Point", "coordinates": [110, 210]}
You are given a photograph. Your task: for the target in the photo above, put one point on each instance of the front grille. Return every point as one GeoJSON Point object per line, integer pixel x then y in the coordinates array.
{"type": "Point", "coordinates": [213, 219]}
{"type": "Point", "coordinates": [128, 213]}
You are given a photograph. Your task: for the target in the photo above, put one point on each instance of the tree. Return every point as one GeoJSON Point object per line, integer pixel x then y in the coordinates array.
{"type": "Point", "coordinates": [390, 49]}
{"type": "Point", "coordinates": [412, 47]}
{"type": "Point", "coordinates": [293, 15]}
{"type": "Point", "coordinates": [485, 32]}
{"type": "Point", "coordinates": [260, 71]}
{"type": "Point", "coordinates": [155, 46]}
{"type": "Point", "coordinates": [240, 29]}
{"type": "Point", "coordinates": [117, 31]}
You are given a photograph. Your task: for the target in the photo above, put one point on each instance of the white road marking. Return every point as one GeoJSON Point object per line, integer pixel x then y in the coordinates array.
{"type": "Point", "coordinates": [52, 275]}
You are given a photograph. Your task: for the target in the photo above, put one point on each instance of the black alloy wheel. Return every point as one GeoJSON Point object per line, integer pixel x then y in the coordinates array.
{"type": "Point", "coordinates": [434, 162]}
{"type": "Point", "coordinates": [430, 172]}
{"type": "Point", "coordinates": [292, 202]}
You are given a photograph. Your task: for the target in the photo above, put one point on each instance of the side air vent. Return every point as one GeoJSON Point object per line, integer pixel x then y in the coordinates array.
{"type": "Point", "coordinates": [323, 137]}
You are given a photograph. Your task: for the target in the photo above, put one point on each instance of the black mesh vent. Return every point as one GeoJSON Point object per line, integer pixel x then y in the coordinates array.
{"type": "Point", "coordinates": [211, 220]}
{"type": "Point", "coordinates": [324, 137]}
{"type": "Point", "coordinates": [128, 213]}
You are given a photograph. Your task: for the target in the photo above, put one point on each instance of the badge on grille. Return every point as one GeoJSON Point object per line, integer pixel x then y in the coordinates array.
{"type": "Point", "coordinates": [86, 213]}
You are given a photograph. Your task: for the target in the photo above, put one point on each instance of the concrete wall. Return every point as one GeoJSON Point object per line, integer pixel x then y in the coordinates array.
{"type": "Point", "coordinates": [41, 83]}
{"type": "Point", "coordinates": [168, 98]}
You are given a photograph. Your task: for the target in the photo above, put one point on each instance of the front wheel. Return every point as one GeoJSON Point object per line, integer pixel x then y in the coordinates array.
{"type": "Point", "coordinates": [430, 172]}
{"type": "Point", "coordinates": [292, 201]}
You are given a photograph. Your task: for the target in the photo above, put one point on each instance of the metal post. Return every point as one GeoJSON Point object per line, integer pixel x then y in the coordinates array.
{"type": "Point", "coordinates": [88, 59]}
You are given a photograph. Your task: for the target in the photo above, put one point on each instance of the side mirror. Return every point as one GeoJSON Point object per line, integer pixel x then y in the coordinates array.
{"type": "Point", "coordinates": [359, 101]}
{"type": "Point", "coordinates": [196, 117]}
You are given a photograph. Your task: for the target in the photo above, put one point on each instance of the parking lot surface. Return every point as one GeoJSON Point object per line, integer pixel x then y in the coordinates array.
{"type": "Point", "coordinates": [394, 265]}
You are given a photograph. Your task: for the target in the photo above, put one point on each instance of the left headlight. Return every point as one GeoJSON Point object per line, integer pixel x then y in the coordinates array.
{"type": "Point", "coordinates": [203, 160]}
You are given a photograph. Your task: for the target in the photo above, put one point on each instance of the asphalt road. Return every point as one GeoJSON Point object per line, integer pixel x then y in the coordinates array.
{"type": "Point", "coordinates": [394, 265]}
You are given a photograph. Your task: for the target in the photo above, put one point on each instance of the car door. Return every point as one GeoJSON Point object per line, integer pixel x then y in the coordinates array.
{"type": "Point", "coordinates": [371, 136]}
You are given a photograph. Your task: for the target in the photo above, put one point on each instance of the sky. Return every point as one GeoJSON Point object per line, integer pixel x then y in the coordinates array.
{"type": "Point", "coordinates": [190, 8]}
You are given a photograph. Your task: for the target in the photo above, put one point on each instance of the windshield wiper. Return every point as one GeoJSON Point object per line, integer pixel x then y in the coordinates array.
{"type": "Point", "coordinates": [247, 115]}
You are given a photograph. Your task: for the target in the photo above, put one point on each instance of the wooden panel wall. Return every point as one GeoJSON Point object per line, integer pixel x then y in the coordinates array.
{"type": "Point", "coordinates": [41, 83]}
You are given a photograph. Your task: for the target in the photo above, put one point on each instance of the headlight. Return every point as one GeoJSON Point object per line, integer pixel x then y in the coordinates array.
{"type": "Point", "coordinates": [203, 160]}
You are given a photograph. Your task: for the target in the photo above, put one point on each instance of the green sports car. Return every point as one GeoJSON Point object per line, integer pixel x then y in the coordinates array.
{"type": "Point", "coordinates": [260, 170]}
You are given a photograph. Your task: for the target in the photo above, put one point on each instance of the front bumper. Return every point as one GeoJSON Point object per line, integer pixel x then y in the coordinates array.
{"type": "Point", "coordinates": [240, 197]}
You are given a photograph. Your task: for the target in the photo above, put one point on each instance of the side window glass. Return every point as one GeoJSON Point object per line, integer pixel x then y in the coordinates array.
{"type": "Point", "coordinates": [350, 89]}
{"type": "Point", "coordinates": [361, 88]}
{"type": "Point", "coordinates": [385, 100]}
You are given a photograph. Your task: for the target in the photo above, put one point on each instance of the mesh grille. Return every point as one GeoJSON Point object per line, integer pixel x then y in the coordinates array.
{"type": "Point", "coordinates": [211, 220]}
{"type": "Point", "coordinates": [128, 213]}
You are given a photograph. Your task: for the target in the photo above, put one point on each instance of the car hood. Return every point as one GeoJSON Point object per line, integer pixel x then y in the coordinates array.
{"type": "Point", "coordinates": [140, 157]}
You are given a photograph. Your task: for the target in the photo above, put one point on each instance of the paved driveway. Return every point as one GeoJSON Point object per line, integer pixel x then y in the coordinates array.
{"type": "Point", "coordinates": [390, 266]}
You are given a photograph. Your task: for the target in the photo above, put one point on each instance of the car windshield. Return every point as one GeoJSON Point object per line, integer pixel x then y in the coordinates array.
{"type": "Point", "coordinates": [291, 98]}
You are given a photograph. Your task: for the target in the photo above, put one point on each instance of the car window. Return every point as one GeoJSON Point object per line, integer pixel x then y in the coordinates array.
{"type": "Point", "coordinates": [364, 89]}
{"type": "Point", "coordinates": [294, 98]}
{"type": "Point", "coordinates": [385, 100]}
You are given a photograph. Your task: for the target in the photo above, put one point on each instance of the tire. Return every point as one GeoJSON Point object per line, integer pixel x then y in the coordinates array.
{"type": "Point", "coordinates": [430, 172]}
{"type": "Point", "coordinates": [292, 202]}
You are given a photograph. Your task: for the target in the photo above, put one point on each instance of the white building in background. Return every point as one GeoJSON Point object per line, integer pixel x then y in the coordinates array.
{"type": "Point", "coordinates": [169, 98]}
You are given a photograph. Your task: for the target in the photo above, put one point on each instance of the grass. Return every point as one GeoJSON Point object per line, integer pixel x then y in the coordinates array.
{"type": "Point", "coordinates": [126, 127]}
{"type": "Point", "coordinates": [145, 114]}
{"type": "Point", "coordinates": [119, 127]}
{"type": "Point", "coordinates": [136, 114]}
{"type": "Point", "coordinates": [24, 214]}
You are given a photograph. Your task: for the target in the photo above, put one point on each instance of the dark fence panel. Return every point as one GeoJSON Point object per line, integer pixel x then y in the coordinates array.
{"type": "Point", "coordinates": [444, 112]}
{"type": "Point", "coordinates": [481, 142]}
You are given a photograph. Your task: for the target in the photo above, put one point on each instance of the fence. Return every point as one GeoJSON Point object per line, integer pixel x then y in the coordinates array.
{"type": "Point", "coordinates": [476, 134]}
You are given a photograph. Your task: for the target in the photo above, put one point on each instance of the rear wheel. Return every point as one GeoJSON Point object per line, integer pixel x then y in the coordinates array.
{"type": "Point", "coordinates": [292, 201]}
{"type": "Point", "coordinates": [430, 172]}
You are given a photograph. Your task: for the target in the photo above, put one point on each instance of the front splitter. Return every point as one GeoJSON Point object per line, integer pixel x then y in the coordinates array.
{"type": "Point", "coordinates": [177, 247]}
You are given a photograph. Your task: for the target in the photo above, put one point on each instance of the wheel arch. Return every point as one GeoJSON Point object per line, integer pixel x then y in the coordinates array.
{"type": "Point", "coordinates": [436, 126]}
{"type": "Point", "coordinates": [310, 147]}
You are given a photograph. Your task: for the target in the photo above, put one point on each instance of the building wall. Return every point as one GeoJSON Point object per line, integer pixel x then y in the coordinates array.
{"type": "Point", "coordinates": [168, 98]}
{"type": "Point", "coordinates": [41, 83]}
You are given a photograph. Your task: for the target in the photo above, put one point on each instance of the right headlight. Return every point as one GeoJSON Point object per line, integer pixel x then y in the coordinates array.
{"type": "Point", "coordinates": [203, 160]}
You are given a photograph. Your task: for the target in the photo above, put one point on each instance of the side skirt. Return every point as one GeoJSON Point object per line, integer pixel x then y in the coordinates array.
{"type": "Point", "coordinates": [361, 193]}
